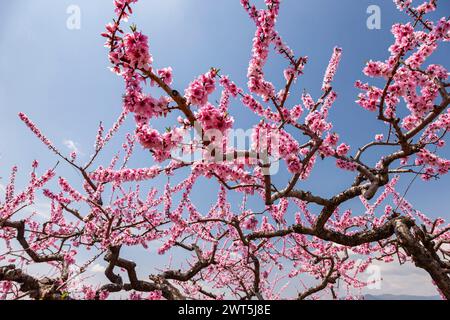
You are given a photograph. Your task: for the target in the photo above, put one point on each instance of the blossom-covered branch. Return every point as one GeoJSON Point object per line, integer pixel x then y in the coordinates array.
{"type": "Point", "coordinates": [232, 249]}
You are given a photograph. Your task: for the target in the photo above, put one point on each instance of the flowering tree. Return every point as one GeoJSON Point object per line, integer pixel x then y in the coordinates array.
{"type": "Point", "coordinates": [234, 251]}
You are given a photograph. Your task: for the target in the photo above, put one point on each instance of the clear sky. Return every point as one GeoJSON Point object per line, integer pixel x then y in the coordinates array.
{"type": "Point", "coordinates": [59, 77]}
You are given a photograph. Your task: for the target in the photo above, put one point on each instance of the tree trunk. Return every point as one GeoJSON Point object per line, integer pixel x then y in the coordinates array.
{"type": "Point", "coordinates": [421, 249]}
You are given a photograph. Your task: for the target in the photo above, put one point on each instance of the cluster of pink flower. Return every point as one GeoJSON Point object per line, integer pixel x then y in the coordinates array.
{"type": "Point", "coordinates": [223, 235]}
{"type": "Point", "coordinates": [408, 77]}
{"type": "Point", "coordinates": [66, 187]}
{"type": "Point", "coordinates": [343, 149]}
{"type": "Point", "coordinates": [166, 75]}
{"type": "Point", "coordinates": [369, 99]}
{"type": "Point", "coordinates": [346, 165]}
{"type": "Point", "coordinates": [90, 293]}
{"type": "Point", "coordinates": [9, 190]}
{"type": "Point", "coordinates": [308, 101]}
{"type": "Point", "coordinates": [136, 50]}
{"type": "Point", "coordinates": [327, 148]}
{"type": "Point", "coordinates": [405, 39]}
{"type": "Point", "coordinates": [418, 87]}
{"type": "Point", "coordinates": [230, 86]}
{"type": "Point", "coordinates": [269, 139]}
{"type": "Point", "coordinates": [442, 124]}
{"type": "Point", "coordinates": [403, 4]}
{"type": "Point", "coordinates": [125, 175]}
{"type": "Point", "coordinates": [293, 163]}
{"type": "Point", "coordinates": [253, 105]}
{"type": "Point", "coordinates": [198, 91]}
{"type": "Point", "coordinates": [213, 118]}
{"type": "Point", "coordinates": [37, 132]}
{"type": "Point", "coordinates": [12, 204]}
{"type": "Point", "coordinates": [426, 7]}
{"type": "Point", "coordinates": [123, 8]}
{"type": "Point", "coordinates": [56, 197]}
{"type": "Point", "coordinates": [376, 69]}
{"type": "Point", "coordinates": [434, 164]}
{"type": "Point", "coordinates": [147, 107]}
{"type": "Point", "coordinates": [28, 195]}
{"type": "Point", "coordinates": [296, 112]}
{"type": "Point", "coordinates": [159, 144]}
{"type": "Point", "coordinates": [130, 55]}
{"type": "Point", "coordinates": [265, 34]}
{"type": "Point", "coordinates": [316, 122]}
{"type": "Point", "coordinates": [332, 68]}
{"type": "Point", "coordinates": [278, 143]}
{"type": "Point", "coordinates": [120, 120]}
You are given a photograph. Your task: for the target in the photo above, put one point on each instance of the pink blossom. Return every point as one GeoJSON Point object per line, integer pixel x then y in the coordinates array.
{"type": "Point", "coordinates": [198, 91]}
{"type": "Point", "coordinates": [343, 149]}
{"type": "Point", "coordinates": [332, 68]}
{"type": "Point", "coordinates": [166, 75]}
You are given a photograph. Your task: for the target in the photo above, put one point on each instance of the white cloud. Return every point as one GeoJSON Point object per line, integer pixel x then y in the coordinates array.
{"type": "Point", "coordinates": [98, 268]}
{"type": "Point", "coordinates": [72, 146]}
{"type": "Point", "coordinates": [42, 209]}
{"type": "Point", "coordinates": [404, 279]}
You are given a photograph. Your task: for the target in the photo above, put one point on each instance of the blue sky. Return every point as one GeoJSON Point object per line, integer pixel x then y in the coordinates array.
{"type": "Point", "coordinates": [59, 77]}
